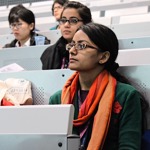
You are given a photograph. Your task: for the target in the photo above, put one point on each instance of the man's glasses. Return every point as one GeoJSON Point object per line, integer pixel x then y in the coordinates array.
{"type": "Point", "coordinates": [17, 25]}
{"type": "Point", "coordinates": [78, 46]}
{"type": "Point", "coordinates": [71, 21]}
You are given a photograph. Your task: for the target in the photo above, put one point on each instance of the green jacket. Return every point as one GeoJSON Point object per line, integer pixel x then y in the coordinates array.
{"type": "Point", "coordinates": [126, 120]}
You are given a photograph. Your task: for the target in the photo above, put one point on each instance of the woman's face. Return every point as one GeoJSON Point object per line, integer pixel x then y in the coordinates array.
{"type": "Point", "coordinates": [57, 10]}
{"type": "Point", "coordinates": [86, 59]}
{"type": "Point", "coordinates": [71, 21]}
{"type": "Point", "coordinates": [21, 30]}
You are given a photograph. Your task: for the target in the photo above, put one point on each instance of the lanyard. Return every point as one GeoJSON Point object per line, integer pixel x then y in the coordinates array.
{"type": "Point", "coordinates": [80, 101]}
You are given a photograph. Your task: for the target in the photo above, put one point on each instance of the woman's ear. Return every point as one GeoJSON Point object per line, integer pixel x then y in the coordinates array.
{"type": "Point", "coordinates": [31, 26]}
{"type": "Point", "coordinates": [104, 56]}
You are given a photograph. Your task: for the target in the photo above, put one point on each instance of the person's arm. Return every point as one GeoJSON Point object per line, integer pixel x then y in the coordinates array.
{"type": "Point", "coordinates": [130, 123]}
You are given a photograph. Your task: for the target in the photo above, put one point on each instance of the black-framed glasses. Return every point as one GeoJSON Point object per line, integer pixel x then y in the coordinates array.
{"type": "Point", "coordinates": [17, 25]}
{"type": "Point", "coordinates": [71, 21]}
{"type": "Point", "coordinates": [79, 46]}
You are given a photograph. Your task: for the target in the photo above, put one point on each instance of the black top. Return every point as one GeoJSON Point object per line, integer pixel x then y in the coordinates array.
{"type": "Point", "coordinates": [53, 56]}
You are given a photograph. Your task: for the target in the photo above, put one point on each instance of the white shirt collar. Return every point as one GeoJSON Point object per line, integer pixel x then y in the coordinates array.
{"type": "Point", "coordinates": [27, 43]}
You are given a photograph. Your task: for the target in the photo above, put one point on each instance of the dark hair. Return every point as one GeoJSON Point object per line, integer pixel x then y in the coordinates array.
{"type": "Point", "coordinates": [61, 2]}
{"type": "Point", "coordinates": [106, 40]}
{"type": "Point", "coordinates": [15, 9]}
{"type": "Point", "coordinates": [83, 10]}
{"type": "Point", "coordinates": [20, 12]}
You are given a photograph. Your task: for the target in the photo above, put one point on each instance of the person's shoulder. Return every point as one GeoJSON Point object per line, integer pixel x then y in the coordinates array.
{"type": "Point", "coordinates": [50, 54]}
{"type": "Point", "coordinates": [7, 45]}
{"type": "Point", "coordinates": [11, 44]}
{"type": "Point", "coordinates": [55, 98]}
{"type": "Point", "coordinates": [52, 47]}
{"type": "Point", "coordinates": [125, 92]}
{"type": "Point", "coordinates": [48, 50]}
{"type": "Point", "coordinates": [123, 87]}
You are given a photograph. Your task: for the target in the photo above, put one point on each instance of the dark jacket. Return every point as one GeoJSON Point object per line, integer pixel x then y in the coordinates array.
{"type": "Point", "coordinates": [52, 57]}
{"type": "Point", "coordinates": [124, 131]}
{"type": "Point", "coordinates": [32, 41]}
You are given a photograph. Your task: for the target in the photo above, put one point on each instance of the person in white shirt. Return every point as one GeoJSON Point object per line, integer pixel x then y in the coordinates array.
{"type": "Point", "coordinates": [22, 24]}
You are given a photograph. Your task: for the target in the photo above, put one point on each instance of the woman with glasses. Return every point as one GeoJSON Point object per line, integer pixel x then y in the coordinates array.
{"type": "Point", "coordinates": [57, 8]}
{"type": "Point", "coordinates": [73, 16]}
{"type": "Point", "coordinates": [22, 24]}
{"type": "Point", "coordinates": [107, 109]}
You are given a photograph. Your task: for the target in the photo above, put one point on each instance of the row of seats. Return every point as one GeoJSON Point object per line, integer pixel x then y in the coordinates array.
{"type": "Point", "coordinates": [115, 5]}
{"type": "Point", "coordinates": [45, 23]}
{"type": "Point", "coordinates": [129, 48]}
{"type": "Point", "coordinates": [53, 35]}
{"type": "Point", "coordinates": [116, 12]}
{"type": "Point", "coordinates": [129, 34]}
{"type": "Point", "coordinates": [137, 73]}
{"type": "Point", "coordinates": [125, 42]}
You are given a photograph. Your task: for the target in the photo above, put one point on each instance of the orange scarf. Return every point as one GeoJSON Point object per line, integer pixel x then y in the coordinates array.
{"type": "Point", "coordinates": [101, 94]}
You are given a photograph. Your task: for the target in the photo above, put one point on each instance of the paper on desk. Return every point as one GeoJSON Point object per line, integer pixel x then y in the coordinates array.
{"type": "Point", "coordinates": [11, 68]}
